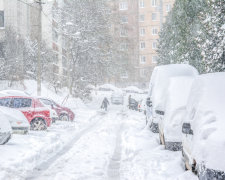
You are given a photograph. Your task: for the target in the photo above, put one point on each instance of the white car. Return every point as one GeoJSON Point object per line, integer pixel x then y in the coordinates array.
{"type": "Point", "coordinates": [117, 98]}
{"type": "Point", "coordinates": [5, 129]}
{"type": "Point", "coordinates": [18, 121]}
{"type": "Point", "coordinates": [170, 126]}
{"type": "Point", "coordinates": [158, 85]}
{"type": "Point", "coordinates": [204, 127]}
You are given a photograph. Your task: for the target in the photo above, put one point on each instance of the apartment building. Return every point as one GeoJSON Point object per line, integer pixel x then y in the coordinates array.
{"type": "Point", "coordinates": [23, 17]}
{"type": "Point", "coordinates": [150, 15]}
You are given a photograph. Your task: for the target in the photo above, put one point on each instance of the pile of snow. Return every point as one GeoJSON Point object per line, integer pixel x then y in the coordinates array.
{"type": "Point", "coordinates": [205, 112]}
{"type": "Point", "coordinates": [177, 97]}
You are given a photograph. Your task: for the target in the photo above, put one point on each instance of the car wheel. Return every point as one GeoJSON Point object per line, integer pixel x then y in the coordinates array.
{"type": "Point", "coordinates": [38, 124]}
{"type": "Point", "coordinates": [64, 117]}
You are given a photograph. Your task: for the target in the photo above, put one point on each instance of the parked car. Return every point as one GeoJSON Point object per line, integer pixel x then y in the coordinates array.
{"type": "Point", "coordinates": [18, 121]}
{"type": "Point", "coordinates": [37, 115]}
{"type": "Point", "coordinates": [5, 129]}
{"type": "Point", "coordinates": [158, 84]}
{"type": "Point", "coordinates": [170, 126]}
{"type": "Point", "coordinates": [117, 98]}
{"type": "Point", "coordinates": [63, 113]}
{"type": "Point", "coordinates": [204, 126]}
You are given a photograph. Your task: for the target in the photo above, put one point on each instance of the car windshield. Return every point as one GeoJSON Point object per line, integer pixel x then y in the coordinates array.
{"type": "Point", "coordinates": [21, 102]}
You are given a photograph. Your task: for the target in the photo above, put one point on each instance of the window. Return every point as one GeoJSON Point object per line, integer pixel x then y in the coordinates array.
{"type": "Point", "coordinates": [154, 59]}
{"type": "Point", "coordinates": [46, 102]}
{"type": "Point", "coordinates": [143, 73]}
{"type": "Point", "coordinates": [154, 3]}
{"type": "Point", "coordinates": [124, 75]}
{"type": "Point", "coordinates": [154, 16]}
{"type": "Point", "coordinates": [154, 31]}
{"type": "Point", "coordinates": [142, 18]}
{"type": "Point", "coordinates": [124, 19]}
{"type": "Point", "coordinates": [123, 32]}
{"type": "Point", "coordinates": [141, 3]}
{"type": "Point", "coordinates": [143, 59]}
{"type": "Point", "coordinates": [142, 45]}
{"type": "Point", "coordinates": [168, 8]}
{"type": "Point", "coordinates": [123, 46]}
{"type": "Point", "coordinates": [123, 6]}
{"type": "Point", "coordinates": [21, 102]}
{"type": "Point", "coordinates": [2, 19]}
{"type": "Point", "coordinates": [154, 45]}
{"type": "Point", "coordinates": [142, 31]}
{"type": "Point", "coordinates": [5, 102]}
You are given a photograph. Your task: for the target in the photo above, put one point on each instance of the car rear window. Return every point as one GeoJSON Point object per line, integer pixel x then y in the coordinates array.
{"type": "Point", "coordinates": [21, 102]}
{"type": "Point", "coordinates": [5, 102]}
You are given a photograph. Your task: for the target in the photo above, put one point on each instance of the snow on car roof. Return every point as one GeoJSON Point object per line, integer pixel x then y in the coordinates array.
{"type": "Point", "coordinates": [133, 88]}
{"type": "Point", "coordinates": [160, 81]}
{"type": "Point", "coordinates": [108, 86]}
{"type": "Point", "coordinates": [206, 113]}
{"type": "Point", "coordinates": [13, 93]}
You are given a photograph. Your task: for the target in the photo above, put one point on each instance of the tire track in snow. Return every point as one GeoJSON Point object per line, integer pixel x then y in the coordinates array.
{"type": "Point", "coordinates": [40, 169]}
{"type": "Point", "coordinates": [113, 171]}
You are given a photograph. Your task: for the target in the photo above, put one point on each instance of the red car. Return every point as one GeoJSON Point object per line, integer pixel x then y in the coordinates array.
{"type": "Point", "coordinates": [36, 113]}
{"type": "Point", "coordinates": [64, 113]}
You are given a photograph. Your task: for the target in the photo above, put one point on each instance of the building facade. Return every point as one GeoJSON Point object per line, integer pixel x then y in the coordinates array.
{"type": "Point", "coordinates": [148, 17]}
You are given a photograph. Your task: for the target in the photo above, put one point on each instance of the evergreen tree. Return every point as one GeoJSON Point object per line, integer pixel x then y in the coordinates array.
{"type": "Point", "coordinates": [213, 46]}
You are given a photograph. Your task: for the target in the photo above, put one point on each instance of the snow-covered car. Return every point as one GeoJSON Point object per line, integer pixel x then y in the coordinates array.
{"type": "Point", "coordinates": [157, 87]}
{"type": "Point", "coordinates": [117, 98]}
{"type": "Point", "coordinates": [5, 129]}
{"type": "Point", "coordinates": [170, 126]}
{"type": "Point", "coordinates": [37, 115]}
{"type": "Point", "coordinates": [203, 129]}
{"type": "Point", "coordinates": [133, 89]}
{"type": "Point", "coordinates": [17, 120]}
{"type": "Point", "coordinates": [62, 113]}
{"type": "Point", "coordinates": [107, 87]}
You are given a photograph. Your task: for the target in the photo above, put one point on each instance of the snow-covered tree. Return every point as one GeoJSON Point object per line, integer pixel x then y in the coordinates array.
{"type": "Point", "coordinates": [212, 41]}
{"type": "Point", "coordinates": [92, 49]}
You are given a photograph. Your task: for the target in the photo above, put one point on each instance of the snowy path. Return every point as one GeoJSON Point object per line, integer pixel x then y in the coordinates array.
{"type": "Point", "coordinates": [102, 146]}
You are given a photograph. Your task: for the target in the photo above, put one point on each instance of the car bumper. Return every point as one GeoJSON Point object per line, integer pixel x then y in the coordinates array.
{"type": "Point", "coordinates": [173, 146]}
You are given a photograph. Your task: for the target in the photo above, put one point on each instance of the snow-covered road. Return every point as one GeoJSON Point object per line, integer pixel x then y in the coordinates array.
{"type": "Point", "coordinates": [113, 145]}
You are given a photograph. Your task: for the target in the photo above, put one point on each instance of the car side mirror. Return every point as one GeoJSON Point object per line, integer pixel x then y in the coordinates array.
{"type": "Point", "coordinates": [186, 128]}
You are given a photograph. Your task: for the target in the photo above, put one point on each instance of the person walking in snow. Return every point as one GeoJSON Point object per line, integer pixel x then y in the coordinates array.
{"type": "Point", "coordinates": [105, 104]}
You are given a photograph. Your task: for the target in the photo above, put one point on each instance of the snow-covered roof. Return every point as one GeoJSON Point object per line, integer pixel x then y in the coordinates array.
{"type": "Point", "coordinates": [206, 112]}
